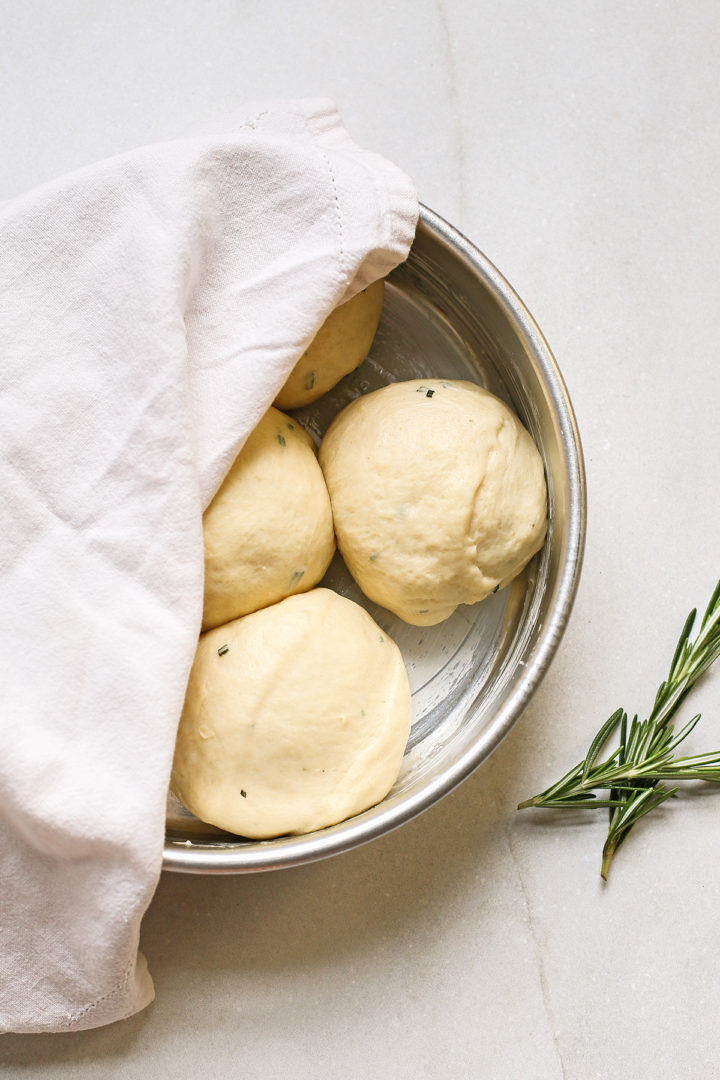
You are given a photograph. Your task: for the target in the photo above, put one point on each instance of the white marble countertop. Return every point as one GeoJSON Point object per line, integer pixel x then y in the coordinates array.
{"type": "Point", "coordinates": [578, 145]}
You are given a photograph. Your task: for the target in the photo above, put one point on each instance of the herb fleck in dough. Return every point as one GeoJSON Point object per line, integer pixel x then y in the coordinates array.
{"type": "Point", "coordinates": [438, 495]}
{"type": "Point", "coordinates": [301, 723]}
{"type": "Point", "coordinates": [268, 532]}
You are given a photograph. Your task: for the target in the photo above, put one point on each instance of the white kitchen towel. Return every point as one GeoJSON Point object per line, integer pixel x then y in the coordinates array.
{"type": "Point", "coordinates": [150, 308]}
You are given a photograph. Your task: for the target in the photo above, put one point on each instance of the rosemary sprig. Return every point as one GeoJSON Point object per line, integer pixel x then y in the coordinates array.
{"type": "Point", "coordinates": [636, 774]}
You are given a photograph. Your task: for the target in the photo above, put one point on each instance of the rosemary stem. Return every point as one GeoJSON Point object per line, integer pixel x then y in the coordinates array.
{"type": "Point", "coordinates": [634, 773]}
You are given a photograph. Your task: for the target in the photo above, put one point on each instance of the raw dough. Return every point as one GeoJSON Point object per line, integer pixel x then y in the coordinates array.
{"type": "Point", "coordinates": [268, 532]}
{"type": "Point", "coordinates": [438, 495]}
{"type": "Point", "coordinates": [295, 718]}
{"type": "Point", "coordinates": [340, 345]}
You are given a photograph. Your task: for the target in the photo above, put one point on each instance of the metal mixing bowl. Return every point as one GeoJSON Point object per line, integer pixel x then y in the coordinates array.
{"type": "Point", "coordinates": [449, 314]}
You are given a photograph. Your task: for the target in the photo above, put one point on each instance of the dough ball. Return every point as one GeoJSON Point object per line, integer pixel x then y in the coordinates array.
{"type": "Point", "coordinates": [438, 495]}
{"type": "Point", "coordinates": [295, 718]}
{"type": "Point", "coordinates": [340, 345]}
{"type": "Point", "coordinates": [269, 531]}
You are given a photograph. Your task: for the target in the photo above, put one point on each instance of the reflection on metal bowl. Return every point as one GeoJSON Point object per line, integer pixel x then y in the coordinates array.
{"type": "Point", "coordinates": [448, 314]}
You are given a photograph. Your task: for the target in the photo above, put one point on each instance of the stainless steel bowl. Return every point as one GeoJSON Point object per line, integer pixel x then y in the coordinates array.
{"type": "Point", "coordinates": [448, 313]}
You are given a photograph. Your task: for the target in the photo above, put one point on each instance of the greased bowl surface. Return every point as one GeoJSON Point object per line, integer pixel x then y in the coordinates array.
{"type": "Point", "coordinates": [449, 314]}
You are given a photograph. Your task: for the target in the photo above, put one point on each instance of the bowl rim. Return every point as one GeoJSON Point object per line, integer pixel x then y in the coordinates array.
{"type": "Point", "coordinates": [186, 857]}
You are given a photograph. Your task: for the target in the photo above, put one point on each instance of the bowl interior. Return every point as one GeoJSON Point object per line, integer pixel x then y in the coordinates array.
{"type": "Point", "coordinates": [447, 314]}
